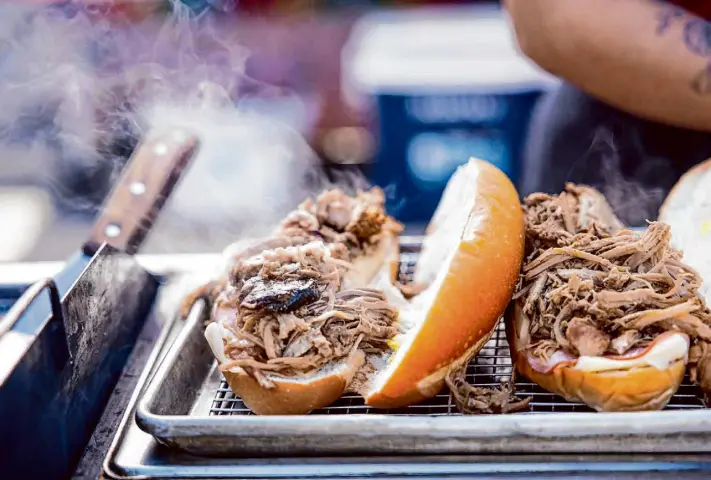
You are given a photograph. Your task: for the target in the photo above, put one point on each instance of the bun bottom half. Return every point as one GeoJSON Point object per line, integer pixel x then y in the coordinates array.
{"type": "Point", "coordinates": [636, 388]}
{"type": "Point", "coordinates": [294, 396]}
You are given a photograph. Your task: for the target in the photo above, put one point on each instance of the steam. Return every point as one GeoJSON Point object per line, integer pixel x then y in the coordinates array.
{"type": "Point", "coordinates": [46, 103]}
{"type": "Point", "coordinates": [80, 89]}
{"type": "Point", "coordinates": [611, 162]}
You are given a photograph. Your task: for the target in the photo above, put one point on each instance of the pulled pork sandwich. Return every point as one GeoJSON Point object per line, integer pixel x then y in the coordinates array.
{"type": "Point", "coordinates": [603, 315]}
{"type": "Point", "coordinates": [293, 329]}
{"type": "Point", "coordinates": [298, 338]}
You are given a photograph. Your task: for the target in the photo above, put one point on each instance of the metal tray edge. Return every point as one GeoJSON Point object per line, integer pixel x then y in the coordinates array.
{"type": "Point", "coordinates": [148, 421]}
{"type": "Point", "coordinates": [147, 374]}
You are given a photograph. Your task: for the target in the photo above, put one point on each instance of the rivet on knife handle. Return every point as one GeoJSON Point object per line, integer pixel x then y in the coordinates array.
{"type": "Point", "coordinates": [147, 180]}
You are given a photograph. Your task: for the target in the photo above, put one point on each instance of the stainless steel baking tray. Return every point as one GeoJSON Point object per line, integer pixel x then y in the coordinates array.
{"type": "Point", "coordinates": [188, 406]}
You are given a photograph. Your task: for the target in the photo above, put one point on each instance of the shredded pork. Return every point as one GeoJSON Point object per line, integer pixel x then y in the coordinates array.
{"type": "Point", "coordinates": [293, 317]}
{"type": "Point", "coordinates": [471, 399]}
{"type": "Point", "coordinates": [349, 225]}
{"type": "Point", "coordinates": [553, 221]}
{"type": "Point", "coordinates": [474, 399]}
{"type": "Point", "coordinates": [588, 287]}
{"type": "Point", "coordinates": [292, 314]}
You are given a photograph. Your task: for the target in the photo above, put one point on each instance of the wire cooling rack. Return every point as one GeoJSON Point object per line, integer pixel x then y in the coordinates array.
{"type": "Point", "coordinates": [488, 369]}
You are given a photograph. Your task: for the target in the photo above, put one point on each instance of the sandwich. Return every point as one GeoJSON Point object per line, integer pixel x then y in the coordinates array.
{"type": "Point", "coordinates": [603, 315]}
{"type": "Point", "coordinates": [311, 313]}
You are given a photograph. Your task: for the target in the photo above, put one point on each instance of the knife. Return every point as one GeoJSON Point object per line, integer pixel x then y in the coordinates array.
{"type": "Point", "coordinates": [124, 222]}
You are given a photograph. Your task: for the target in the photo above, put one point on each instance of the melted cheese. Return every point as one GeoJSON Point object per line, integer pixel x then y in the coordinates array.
{"type": "Point", "coordinates": [662, 355]}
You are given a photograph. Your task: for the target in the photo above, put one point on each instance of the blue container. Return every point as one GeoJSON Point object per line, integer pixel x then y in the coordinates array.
{"type": "Point", "coordinates": [423, 139]}
{"type": "Point", "coordinates": [446, 84]}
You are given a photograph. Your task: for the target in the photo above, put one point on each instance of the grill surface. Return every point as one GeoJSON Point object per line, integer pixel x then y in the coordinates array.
{"type": "Point", "coordinates": [488, 369]}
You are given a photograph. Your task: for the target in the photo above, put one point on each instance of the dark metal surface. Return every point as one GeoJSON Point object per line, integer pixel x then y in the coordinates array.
{"type": "Point", "coordinates": [14, 345]}
{"type": "Point", "coordinates": [50, 403]}
{"type": "Point", "coordinates": [37, 313]}
{"type": "Point", "coordinates": [179, 408]}
{"type": "Point", "coordinates": [26, 299]}
{"type": "Point", "coordinates": [91, 463]}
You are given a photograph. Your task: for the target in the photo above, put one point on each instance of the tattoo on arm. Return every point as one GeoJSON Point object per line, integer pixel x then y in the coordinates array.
{"type": "Point", "coordinates": [697, 39]}
{"type": "Point", "coordinates": [667, 16]}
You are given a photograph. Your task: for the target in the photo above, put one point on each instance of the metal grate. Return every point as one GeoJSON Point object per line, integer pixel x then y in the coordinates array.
{"type": "Point", "coordinates": [492, 365]}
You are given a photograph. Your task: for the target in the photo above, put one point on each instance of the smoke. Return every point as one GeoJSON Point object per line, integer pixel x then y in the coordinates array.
{"type": "Point", "coordinates": [626, 174]}
{"type": "Point", "coordinates": [80, 88]}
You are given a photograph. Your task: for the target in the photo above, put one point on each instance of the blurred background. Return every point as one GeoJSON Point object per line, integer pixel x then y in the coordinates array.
{"type": "Point", "coordinates": [288, 97]}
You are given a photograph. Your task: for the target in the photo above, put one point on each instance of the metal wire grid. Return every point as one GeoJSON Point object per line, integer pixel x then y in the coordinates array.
{"type": "Point", "coordinates": [488, 369]}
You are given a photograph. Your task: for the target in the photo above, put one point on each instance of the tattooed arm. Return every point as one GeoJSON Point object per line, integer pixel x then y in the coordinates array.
{"type": "Point", "coordinates": [642, 56]}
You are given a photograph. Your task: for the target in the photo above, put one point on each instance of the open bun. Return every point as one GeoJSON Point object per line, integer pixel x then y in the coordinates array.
{"type": "Point", "coordinates": [645, 380]}
{"type": "Point", "coordinates": [687, 210]}
{"type": "Point", "coordinates": [469, 264]}
{"type": "Point", "coordinates": [470, 261]}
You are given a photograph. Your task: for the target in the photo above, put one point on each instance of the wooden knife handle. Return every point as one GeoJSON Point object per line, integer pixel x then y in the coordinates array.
{"type": "Point", "coordinates": [149, 177]}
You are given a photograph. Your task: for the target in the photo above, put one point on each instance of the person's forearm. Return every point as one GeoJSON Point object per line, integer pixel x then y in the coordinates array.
{"type": "Point", "coordinates": [642, 56]}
